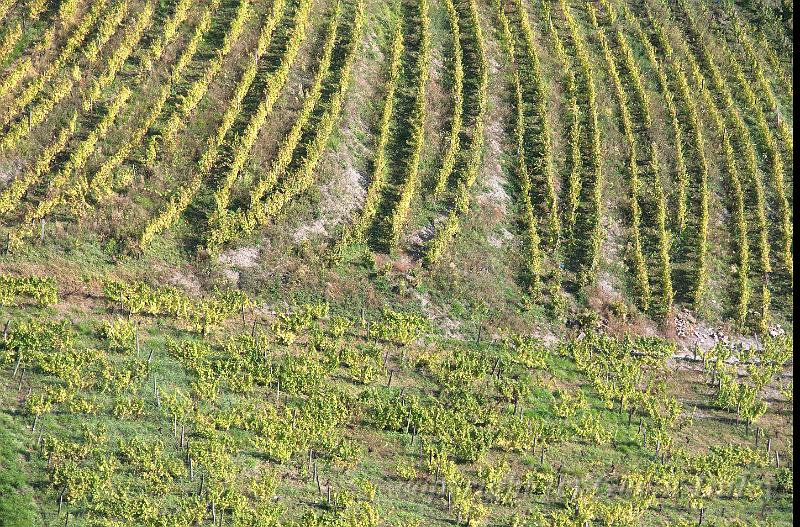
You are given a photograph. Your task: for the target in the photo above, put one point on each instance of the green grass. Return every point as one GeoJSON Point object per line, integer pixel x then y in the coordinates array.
{"type": "Point", "coordinates": [17, 506]}
{"type": "Point", "coordinates": [375, 452]}
{"type": "Point", "coordinates": [475, 289]}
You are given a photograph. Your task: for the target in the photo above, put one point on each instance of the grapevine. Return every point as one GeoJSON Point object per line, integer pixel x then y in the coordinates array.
{"type": "Point", "coordinates": [534, 257]}
{"type": "Point", "coordinates": [13, 193]}
{"type": "Point", "coordinates": [586, 245]}
{"type": "Point", "coordinates": [475, 58]}
{"type": "Point", "coordinates": [9, 40]}
{"type": "Point", "coordinates": [223, 223]}
{"type": "Point", "coordinates": [408, 186]}
{"type": "Point", "coordinates": [74, 164]}
{"type": "Point", "coordinates": [453, 139]}
{"type": "Point", "coordinates": [42, 290]}
{"type": "Point", "coordinates": [356, 232]}
{"type": "Point", "coordinates": [741, 140]}
{"type": "Point", "coordinates": [303, 177]}
{"type": "Point", "coordinates": [641, 280]}
{"type": "Point", "coordinates": [241, 148]}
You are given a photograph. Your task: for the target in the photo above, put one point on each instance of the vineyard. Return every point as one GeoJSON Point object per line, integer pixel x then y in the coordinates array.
{"type": "Point", "coordinates": [408, 263]}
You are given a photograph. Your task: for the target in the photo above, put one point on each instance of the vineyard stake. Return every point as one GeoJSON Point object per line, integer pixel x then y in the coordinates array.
{"type": "Point", "coordinates": [16, 367]}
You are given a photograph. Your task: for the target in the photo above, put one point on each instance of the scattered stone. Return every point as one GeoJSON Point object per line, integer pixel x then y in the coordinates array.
{"type": "Point", "coordinates": [243, 258]}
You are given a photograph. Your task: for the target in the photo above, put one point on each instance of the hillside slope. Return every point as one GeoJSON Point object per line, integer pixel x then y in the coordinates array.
{"type": "Point", "coordinates": [456, 257]}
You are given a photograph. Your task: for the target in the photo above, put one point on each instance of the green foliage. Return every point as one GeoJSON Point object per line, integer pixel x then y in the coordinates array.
{"type": "Point", "coordinates": [120, 334]}
{"type": "Point", "coordinates": [139, 298]}
{"type": "Point", "coordinates": [17, 508]}
{"type": "Point", "coordinates": [125, 120]}
{"type": "Point", "coordinates": [400, 328]}
{"type": "Point", "coordinates": [42, 290]}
